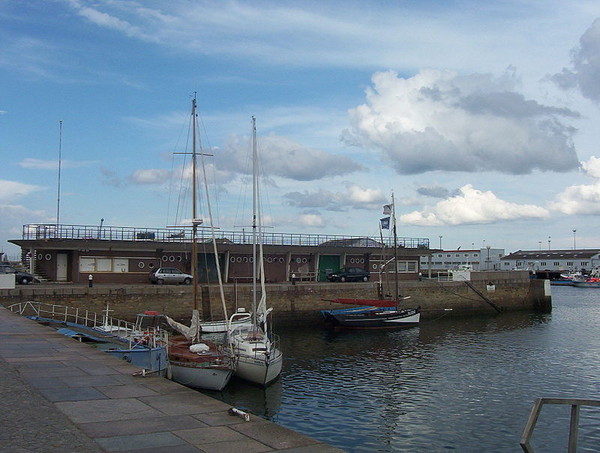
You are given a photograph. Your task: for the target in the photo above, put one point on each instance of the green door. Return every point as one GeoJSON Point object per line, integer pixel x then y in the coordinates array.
{"type": "Point", "coordinates": [327, 265]}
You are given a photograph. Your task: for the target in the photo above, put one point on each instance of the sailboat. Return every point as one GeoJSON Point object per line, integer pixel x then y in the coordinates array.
{"type": "Point", "coordinates": [257, 357]}
{"type": "Point", "coordinates": [375, 313]}
{"type": "Point", "coordinates": [193, 361]}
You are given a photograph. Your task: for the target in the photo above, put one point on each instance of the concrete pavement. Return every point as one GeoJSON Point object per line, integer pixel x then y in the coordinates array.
{"type": "Point", "coordinates": [59, 395]}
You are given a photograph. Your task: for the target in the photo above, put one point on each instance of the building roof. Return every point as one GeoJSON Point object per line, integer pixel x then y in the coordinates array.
{"type": "Point", "coordinates": [552, 254]}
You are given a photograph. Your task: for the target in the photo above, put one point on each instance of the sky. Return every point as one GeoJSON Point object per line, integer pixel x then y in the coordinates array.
{"type": "Point", "coordinates": [482, 118]}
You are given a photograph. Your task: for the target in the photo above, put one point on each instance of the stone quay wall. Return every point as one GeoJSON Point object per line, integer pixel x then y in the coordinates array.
{"type": "Point", "coordinates": [297, 304]}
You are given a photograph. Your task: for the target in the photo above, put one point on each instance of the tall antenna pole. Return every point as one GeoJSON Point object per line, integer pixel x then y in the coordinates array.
{"type": "Point", "coordinates": [59, 165]}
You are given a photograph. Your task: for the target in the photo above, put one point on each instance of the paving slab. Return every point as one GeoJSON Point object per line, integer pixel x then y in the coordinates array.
{"type": "Point", "coordinates": [60, 395]}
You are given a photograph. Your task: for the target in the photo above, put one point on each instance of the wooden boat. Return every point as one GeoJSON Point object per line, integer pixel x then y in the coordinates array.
{"type": "Point", "coordinates": [254, 348]}
{"type": "Point", "coordinates": [370, 317]}
{"type": "Point", "coordinates": [375, 313]}
{"type": "Point", "coordinates": [194, 361]}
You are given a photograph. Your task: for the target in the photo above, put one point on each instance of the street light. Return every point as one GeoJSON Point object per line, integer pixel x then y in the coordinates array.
{"type": "Point", "coordinates": [549, 242]}
{"type": "Point", "coordinates": [540, 245]}
{"type": "Point", "coordinates": [574, 240]}
{"type": "Point", "coordinates": [441, 242]}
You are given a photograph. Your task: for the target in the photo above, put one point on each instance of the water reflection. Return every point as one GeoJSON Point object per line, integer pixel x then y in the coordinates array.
{"type": "Point", "coordinates": [452, 384]}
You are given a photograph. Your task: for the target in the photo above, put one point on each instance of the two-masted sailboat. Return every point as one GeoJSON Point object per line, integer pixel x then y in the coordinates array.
{"type": "Point", "coordinates": [254, 348]}
{"type": "Point", "coordinates": [197, 362]}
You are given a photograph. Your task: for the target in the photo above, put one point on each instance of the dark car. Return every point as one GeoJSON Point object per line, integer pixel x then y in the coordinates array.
{"type": "Point", "coordinates": [349, 274]}
{"type": "Point", "coordinates": [21, 277]}
{"type": "Point", "coordinates": [165, 275]}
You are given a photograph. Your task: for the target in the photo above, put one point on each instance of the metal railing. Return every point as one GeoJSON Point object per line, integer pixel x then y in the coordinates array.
{"type": "Point", "coordinates": [183, 234]}
{"type": "Point", "coordinates": [573, 425]}
{"type": "Point", "coordinates": [72, 315]}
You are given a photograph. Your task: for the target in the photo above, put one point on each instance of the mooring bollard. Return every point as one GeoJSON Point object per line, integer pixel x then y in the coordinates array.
{"type": "Point", "coordinates": [90, 280]}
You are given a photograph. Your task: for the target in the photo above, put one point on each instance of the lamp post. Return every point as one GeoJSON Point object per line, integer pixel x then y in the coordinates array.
{"type": "Point", "coordinates": [549, 242]}
{"type": "Point", "coordinates": [574, 240]}
{"type": "Point", "coordinates": [487, 267]}
{"type": "Point", "coordinates": [540, 245]}
{"type": "Point", "coordinates": [441, 242]}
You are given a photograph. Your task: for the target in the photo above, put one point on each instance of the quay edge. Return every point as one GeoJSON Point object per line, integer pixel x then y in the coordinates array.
{"type": "Point", "coordinates": [300, 303]}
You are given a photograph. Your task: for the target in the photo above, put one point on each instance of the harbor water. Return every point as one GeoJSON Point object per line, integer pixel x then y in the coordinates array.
{"type": "Point", "coordinates": [465, 385]}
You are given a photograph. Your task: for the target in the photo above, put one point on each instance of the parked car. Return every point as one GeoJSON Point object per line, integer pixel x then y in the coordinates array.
{"type": "Point", "coordinates": [349, 274]}
{"type": "Point", "coordinates": [21, 277]}
{"type": "Point", "coordinates": [165, 275]}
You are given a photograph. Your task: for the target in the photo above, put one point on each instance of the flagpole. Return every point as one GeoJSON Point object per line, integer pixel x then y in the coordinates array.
{"type": "Point", "coordinates": [395, 248]}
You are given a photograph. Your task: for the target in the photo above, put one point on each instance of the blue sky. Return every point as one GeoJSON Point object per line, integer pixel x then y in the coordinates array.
{"type": "Point", "coordinates": [481, 117]}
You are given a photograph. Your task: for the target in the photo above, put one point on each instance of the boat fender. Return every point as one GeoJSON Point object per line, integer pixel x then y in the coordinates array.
{"type": "Point", "coordinates": [199, 348]}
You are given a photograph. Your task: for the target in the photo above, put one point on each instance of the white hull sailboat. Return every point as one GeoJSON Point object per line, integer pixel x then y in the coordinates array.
{"type": "Point", "coordinates": [257, 357]}
{"type": "Point", "coordinates": [197, 362]}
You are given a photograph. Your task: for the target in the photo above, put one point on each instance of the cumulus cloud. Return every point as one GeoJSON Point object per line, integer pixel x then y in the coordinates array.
{"type": "Point", "coordinates": [10, 190]}
{"type": "Point", "coordinates": [585, 71]}
{"type": "Point", "coordinates": [280, 156]}
{"type": "Point", "coordinates": [354, 197]}
{"type": "Point", "coordinates": [473, 206]}
{"type": "Point", "coordinates": [581, 199]}
{"type": "Point", "coordinates": [438, 120]}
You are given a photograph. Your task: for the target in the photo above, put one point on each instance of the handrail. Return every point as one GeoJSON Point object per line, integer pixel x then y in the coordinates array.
{"type": "Point", "coordinates": [573, 426]}
{"type": "Point", "coordinates": [69, 314]}
{"type": "Point", "coordinates": [179, 234]}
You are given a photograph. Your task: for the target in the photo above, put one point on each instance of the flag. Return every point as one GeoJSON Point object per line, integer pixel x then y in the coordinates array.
{"type": "Point", "coordinates": [385, 223]}
{"type": "Point", "coordinates": [387, 209]}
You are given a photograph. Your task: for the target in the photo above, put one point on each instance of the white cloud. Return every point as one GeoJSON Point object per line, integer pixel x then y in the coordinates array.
{"type": "Point", "coordinates": [39, 164]}
{"type": "Point", "coordinates": [150, 176]}
{"type": "Point", "coordinates": [592, 167]}
{"type": "Point", "coordinates": [438, 120]}
{"type": "Point", "coordinates": [10, 190]}
{"type": "Point", "coordinates": [473, 206]}
{"type": "Point", "coordinates": [581, 199]}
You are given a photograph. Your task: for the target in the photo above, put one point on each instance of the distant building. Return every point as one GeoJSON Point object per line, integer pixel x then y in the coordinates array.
{"type": "Point", "coordinates": [479, 259]}
{"type": "Point", "coordinates": [112, 254]}
{"type": "Point", "coordinates": [552, 260]}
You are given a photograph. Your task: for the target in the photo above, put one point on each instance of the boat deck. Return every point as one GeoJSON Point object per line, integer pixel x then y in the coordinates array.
{"type": "Point", "coordinates": [61, 395]}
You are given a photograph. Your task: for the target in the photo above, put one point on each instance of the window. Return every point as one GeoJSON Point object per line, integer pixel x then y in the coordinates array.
{"type": "Point", "coordinates": [543, 263]}
{"type": "Point", "coordinates": [569, 263]}
{"type": "Point", "coordinates": [556, 263]}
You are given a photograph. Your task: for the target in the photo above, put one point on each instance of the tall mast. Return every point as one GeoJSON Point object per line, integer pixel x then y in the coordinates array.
{"type": "Point", "coordinates": [194, 214]}
{"type": "Point", "coordinates": [254, 223]}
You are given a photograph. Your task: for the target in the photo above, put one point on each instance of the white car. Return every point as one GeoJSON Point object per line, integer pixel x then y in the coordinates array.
{"type": "Point", "coordinates": [165, 275]}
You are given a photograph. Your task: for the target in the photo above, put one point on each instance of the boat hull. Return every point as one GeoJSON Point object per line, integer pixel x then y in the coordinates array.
{"type": "Point", "coordinates": [208, 369]}
{"type": "Point", "coordinates": [259, 369]}
{"type": "Point", "coordinates": [586, 284]}
{"type": "Point", "coordinates": [371, 318]}
{"type": "Point", "coordinates": [200, 376]}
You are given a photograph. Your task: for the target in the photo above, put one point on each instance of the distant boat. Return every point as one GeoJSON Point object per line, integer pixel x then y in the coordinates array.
{"type": "Point", "coordinates": [588, 281]}
{"type": "Point", "coordinates": [375, 313]}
